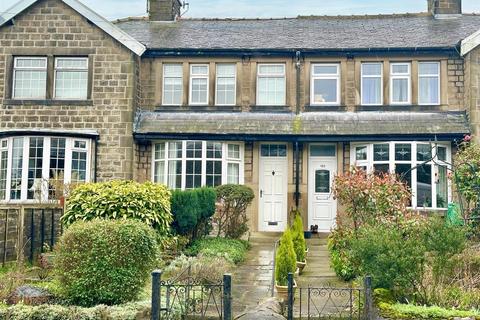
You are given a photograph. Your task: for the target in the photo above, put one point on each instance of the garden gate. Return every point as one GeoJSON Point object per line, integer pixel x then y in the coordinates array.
{"type": "Point", "coordinates": [330, 302]}
{"type": "Point", "coordinates": [190, 299]}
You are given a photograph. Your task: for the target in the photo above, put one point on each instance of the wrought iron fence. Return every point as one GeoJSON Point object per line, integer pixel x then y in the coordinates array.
{"type": "Point", "coordinates": [190, 299]}
{"type": "Point", "coordinates": [330, 302]}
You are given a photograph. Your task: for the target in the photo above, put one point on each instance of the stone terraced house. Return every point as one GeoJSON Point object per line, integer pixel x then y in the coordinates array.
{"type": "Point", "coordinates": [280, 105]}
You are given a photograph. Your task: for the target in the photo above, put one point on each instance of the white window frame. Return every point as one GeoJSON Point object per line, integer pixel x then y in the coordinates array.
{"type": "Point", "coordinates": [331, 76]}
{"type": "Point", "coordinates": [4, 148]}
{"type": "Point", "coordinates": [164, 103]}
{"type": "Point", "coordinates": [195, 76]}
{"type": "Point", "coordinates": [430, 76]}
{"type": "Point", "coordinates": [45, 166]}
{"type": "Point", "coordinates": [369, 163]}
{"type": "Point", "coordinates": [217, 76]}
{"type": "Point", "coordinates": [272, 75]}
{"type": "Point", "coordinates": [57, 69]}
{"type": "Point", "coordinates": [401, 76]}
{"type": "Point", "coordinates": [363, 76]}
{"type": "Point", "coordinates": [15, 68]}
{"type": "Point", "coordinates": [225, 161]}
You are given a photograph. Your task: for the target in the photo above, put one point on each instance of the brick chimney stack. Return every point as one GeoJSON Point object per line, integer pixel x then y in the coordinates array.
{"type": "Point", "coordinates": [164, 10]}
{"type": "Point", "coordinates": [445, 8]}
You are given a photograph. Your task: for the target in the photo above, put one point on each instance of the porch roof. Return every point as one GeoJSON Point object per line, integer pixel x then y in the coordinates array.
{"type": "Point", "coordinates": [314, 126]}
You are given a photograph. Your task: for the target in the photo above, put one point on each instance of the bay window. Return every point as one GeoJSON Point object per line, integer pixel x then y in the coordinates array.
{"type": "Point", "coordinates": [271, 85]}
{"type": "Point", "coordinates": [199, 84]}
{"type": "Point", "coordinates": [193, 164]}
{"type": "Point", "coordinates": [422, 166]}
{"type": "Point", "coordinates": [400, 83]}
{"type": "Point", "coordinates": [372, 84]}
{"type": "Point", "coordinates": [429, 83]}
{"type": "Point", "coordinates": [35, 168]}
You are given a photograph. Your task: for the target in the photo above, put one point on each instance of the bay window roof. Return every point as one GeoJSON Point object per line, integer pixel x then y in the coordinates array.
{"type": "Point", "coordinates": [348, 126]}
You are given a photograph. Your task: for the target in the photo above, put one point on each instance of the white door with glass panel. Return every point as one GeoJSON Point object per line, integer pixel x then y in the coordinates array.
{"type": "Point", "coordinates": [322, 208]}
{"type": "Point", "coordinates": [273, 187]}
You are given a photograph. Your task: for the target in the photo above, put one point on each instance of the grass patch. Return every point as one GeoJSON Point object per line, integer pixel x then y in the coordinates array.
{"type": "Point", "coordinates": [408, 311]}
{"type": "Point", "coordinates": [232, 250]}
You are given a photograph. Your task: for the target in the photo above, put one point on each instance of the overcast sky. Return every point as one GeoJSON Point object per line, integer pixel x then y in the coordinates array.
{"type": "Point", "coordinates": [113, 9]}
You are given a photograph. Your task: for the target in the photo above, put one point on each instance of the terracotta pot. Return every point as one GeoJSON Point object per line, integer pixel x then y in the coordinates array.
{"type": "Point", "coordinates": [282, 291]}
{"type": "Point", "coordinates": [301, 266]}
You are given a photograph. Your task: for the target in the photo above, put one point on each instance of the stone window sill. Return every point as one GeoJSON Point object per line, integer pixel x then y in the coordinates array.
{"type": "Point", "coordinates": [47, 102]}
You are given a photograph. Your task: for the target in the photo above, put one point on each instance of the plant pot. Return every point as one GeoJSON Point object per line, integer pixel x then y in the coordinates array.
{"type": "Point", "coordinates": [282, 291]}
{"type": "Point", "coordinates": [301, 266]}
{"type": "Point", "coordinates": [306, 251]}
{"type": "Point", "coordinates": [297, 273]}
{"type": "Point", "coordinates": [307, 234]}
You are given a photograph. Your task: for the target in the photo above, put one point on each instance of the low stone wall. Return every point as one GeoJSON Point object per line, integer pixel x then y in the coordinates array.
{"type": "Point", "coordinates": [29, 230]}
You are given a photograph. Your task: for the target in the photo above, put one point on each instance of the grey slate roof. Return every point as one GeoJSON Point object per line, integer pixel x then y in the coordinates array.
{"type": "Point", "coordinates": [342, 32]}
{"type": "Point", "coordinates": [306, 124]}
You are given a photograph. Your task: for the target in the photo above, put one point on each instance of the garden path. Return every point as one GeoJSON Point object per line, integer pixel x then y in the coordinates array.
{"type": "Point", "coordinates": [252, 279]}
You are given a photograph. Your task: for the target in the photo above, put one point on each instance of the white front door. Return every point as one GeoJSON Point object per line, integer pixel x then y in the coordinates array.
{"type": "Point", "coordinates": [322, 207]}
{"type": "Point", "coordinates": [273, 187]}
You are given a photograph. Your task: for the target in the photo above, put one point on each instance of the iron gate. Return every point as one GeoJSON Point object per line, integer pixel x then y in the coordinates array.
{"type": "Point", "coordinates": [330, 302]}
{"type": "Point", "coordinates": [189, 299]}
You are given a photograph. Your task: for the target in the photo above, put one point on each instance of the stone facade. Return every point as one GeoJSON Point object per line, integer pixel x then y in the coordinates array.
{"type": "Point", "coordinates": [49, 28]}
{"type": "Point", "coordinates": [472, 90]}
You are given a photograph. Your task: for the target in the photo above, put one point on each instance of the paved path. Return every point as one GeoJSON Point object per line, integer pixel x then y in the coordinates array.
{"type": "Point", "coordinates": [252, 279]}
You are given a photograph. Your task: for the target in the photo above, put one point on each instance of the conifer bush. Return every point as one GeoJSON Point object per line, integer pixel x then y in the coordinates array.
{"type": "Point", "coordinates": [286, 260]}
{"type": "Point", "coordinates": [298, 238]}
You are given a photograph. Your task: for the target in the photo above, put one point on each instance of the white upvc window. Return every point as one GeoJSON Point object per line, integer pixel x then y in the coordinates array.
{"type": "Point", "coordinates": [226, 83]}
{"type": "Point", "coordinates": [199, 84]}
{"type": "Point", "coordinates": [372, 83]}
{"type": "Point", "coordinates": [193, 163]}
{"type": "Point", "coordinates": [3, 167]}
{"type": "Point", "coordinates": [29, 78]}
{"type": "Point", "coordinates": [271, 85]}
{"type": "Point", "coordinates": [172, 92]}
{"type": "Point", "coordinates": [400, 83]}
{"type": "Point", "coordinates": [71, 78]}
{"type": "Point", "coordinates": [422, 166]}
{"type": "Point", "coordinates": [325, 84]}
{"type": "Point", "coordinates": [32, 168]}
{"type": "Point", "coordinates": [429, 83]}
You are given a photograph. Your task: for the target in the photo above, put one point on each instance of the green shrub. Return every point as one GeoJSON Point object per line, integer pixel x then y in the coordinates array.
{"type": "Point", "coordinates": [394, 259]}
{"type": "Point", "coordinates": [207, 198]}
{"type": "Point", "coordinates": [201, 269]}
{"type": "Point", "coordinates": [186, 212]}
{"type": "Point", "coordinates": [105, 261]}
{"type": "Point", "coordinates": [130, 311]}
{"type": "Point", "coordinates": [232, 250]}
{"type": "Point", "coordinates": [298, 238]}
{"type": "Point", "coordinates": [341, 256]}
{"type": "Point", "coordinates": [413, 312]}
{"type": "Point", "coordinates": [148, 202]}
{"type": "Point", "coordinates": [231, 216]}
{"type": "Point", "coordinates": [286, 261]}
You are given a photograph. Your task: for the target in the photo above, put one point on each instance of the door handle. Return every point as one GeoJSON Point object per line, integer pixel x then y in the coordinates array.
{"type": "Point", "coordinates": [261, 193]}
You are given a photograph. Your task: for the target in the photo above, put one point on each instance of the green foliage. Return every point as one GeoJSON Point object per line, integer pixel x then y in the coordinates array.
{"type": "Point", "coordinates": [207, 198]}
{"type": "Point", "coordinates": [105, 261]}
{"type": "Point", "coordinates": [231, 216]}
{"type": "Point", "coordinates": [341, 256]}
{"type": "Point", "coordinates": [201, 269]}
{"type": "Point", "coordinates": [186, 211]}
{"type": "Point", "coordinates": [467, 176]}
{"type": "Point", "coordinates": [232, 250]}
{"type": "Point", "coordinates": [394, 259]}
{"type": "Point", "coordinates": [130, 311]}
{"type": "Point", "coordinates": [147, 202]}
{"type": "Point", "coordinates": [413, 312]}
{"type": "Point", "coordinates": [298, 238]}
{"type": "Point", "coordinates": [286, 261]}
{"type": "Point", "coordinates": [370, 198]}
